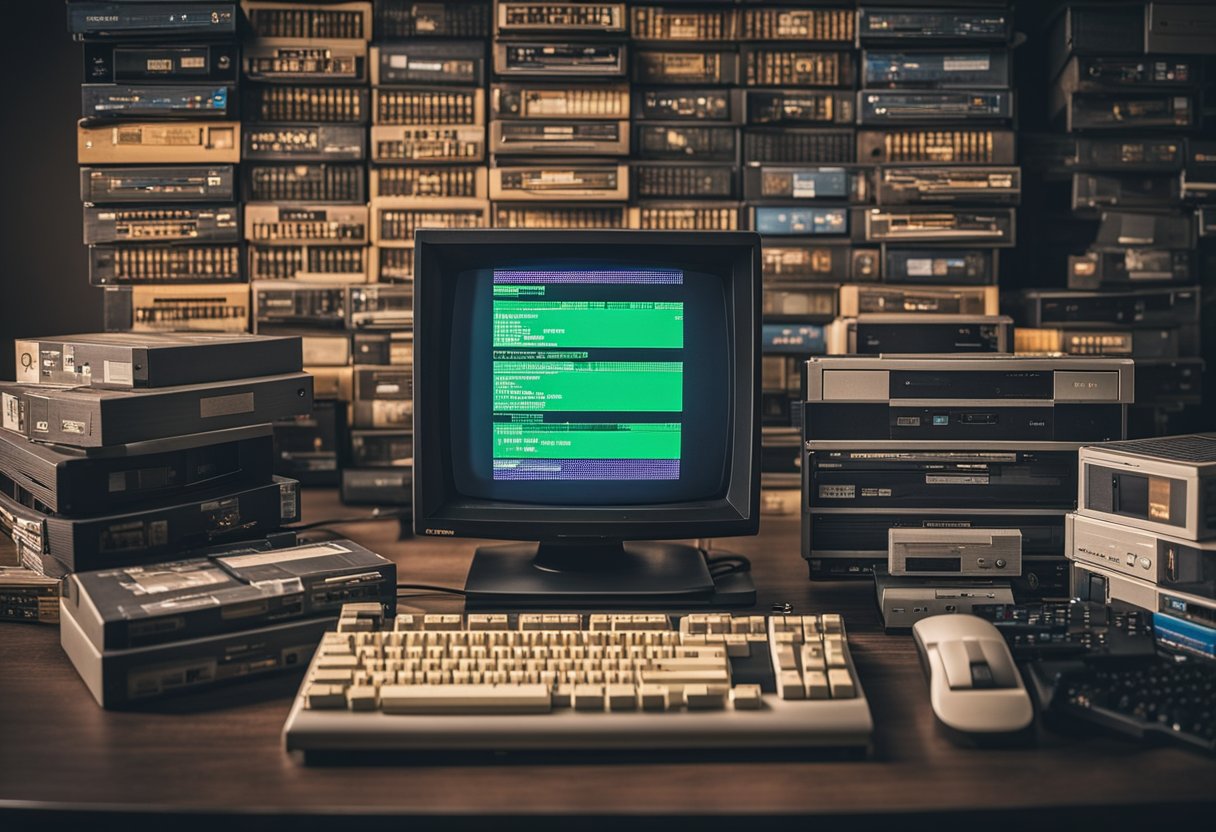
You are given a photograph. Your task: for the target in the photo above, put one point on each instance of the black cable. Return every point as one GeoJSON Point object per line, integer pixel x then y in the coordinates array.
{"type": "Point", "coordinates": [377, 514]}
{"type": "Point", "coordinates": [451, 590]}
{"type": "Point", "coordinates": [320, 535]}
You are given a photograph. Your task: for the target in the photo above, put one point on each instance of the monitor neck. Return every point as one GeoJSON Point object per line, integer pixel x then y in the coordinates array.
{"type": "Point", "coordinates": [581, 555]}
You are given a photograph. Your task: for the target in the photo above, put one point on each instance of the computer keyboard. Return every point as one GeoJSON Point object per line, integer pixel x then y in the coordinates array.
{"type": "Point", "coordinates": [577, 681]}
{"type": "Point", "coordinates": [1165, 699]}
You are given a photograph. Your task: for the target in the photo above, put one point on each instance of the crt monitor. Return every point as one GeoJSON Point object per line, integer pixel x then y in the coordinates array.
{"type": "Point", "coordinates": [581, 391]}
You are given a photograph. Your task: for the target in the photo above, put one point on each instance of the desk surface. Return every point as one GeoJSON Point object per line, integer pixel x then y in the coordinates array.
{"type": "Point", "coordinates": [223, 751]}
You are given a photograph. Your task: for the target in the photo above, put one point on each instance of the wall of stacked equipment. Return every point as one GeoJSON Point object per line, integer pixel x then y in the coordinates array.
{"type": "Point", "coordinates": [262, 166]}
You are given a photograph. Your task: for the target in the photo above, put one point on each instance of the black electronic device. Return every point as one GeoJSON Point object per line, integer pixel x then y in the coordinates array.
{"type": "Point", "coordinates": [86, 417]}
{"type": "Point", "coordinates": [1151, 701]}
{"type": "Point", "coordinates": [103, 102]}
{"type": "Point", "coordinates": [873, 475]}
{"type": "Point", "coordinates": [160, 183]}
{"type": "Point", "coordinates": [579, 456]}
{"type": "Point", "coordinates": [1073, 629]}
{"type": "Point", "coordinates": [116, 20]}
{"type": "Point", "coordinates": [76, 482]}
{"type": "Point", "coordinates": [308, 448]}
{"type": "Point", "coordinates": [137, 606]}
{"type": "Point", "coordinates": [55, 546]}
{"type": "Point", "coordinates": [123, 361]}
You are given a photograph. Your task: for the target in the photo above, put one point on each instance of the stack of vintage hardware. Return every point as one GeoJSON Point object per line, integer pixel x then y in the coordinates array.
{"type": "Point", "coordinates": [885, 238]}
{"type": "Point", "coordinates": [559, 130]}
{"type": "Point", "coordinates": [159, 141]}
{"type": "Point", "coordinates": [1145, 533]}
{"type": "Point", "coordinates": [935, 110]}
{"type": "Point", "coordinates": [25, 595]}
{"type": "Point", "coordinates": [226, 614]}
{"type": "Point", "coordinates": [428, 69]}
{"type": "Point", "coordinates": [304, 71]}
{"type": "Point", "coordinates": [124, 448]}
{"type": "Point", "coordinates": [1132, 172]}
{"type": "Point", "coordinates": [948, 478]}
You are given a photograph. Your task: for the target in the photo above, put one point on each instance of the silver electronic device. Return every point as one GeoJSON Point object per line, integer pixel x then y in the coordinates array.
{"type": "Point", "coordinates": [1170, 562]}
{"type": "Point", "coordinates": [974, 687]}
{"type": "Point", "coordinates": [905, 600]}
{"type": "Point", "coordinates": [970, 378]}
{"type": "Point", "coordinates": [1165, 485]}
{"type": "Point", "coordinates": [955, 552]}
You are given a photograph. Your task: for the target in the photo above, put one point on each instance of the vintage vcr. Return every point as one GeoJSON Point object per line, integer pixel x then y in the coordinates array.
{"type": "Point", "coordinates": [87, 417]}
{"type": "Point", "coordinates": [969, 185]}
{"type": "Point", "coordinates": [1098, 310]}
{"type": "Point", "coordinates": [177, 63]}
{"type": "Point", "coordinates": [963, 378]}
{"type": "Point", "coordinates": [818, 260]}
{"type": "Point", "coordinates": [969, 398]}
{"type": "Point", "coordinates": [938, 474]}
{"type": "Point", "coordinates": [126, 360]}
{"type": "Point", "coordinates": [76, 482]}
{"type": "Point", "coordinates": [934, 26]}
{"type": "Point", "coordinates": [141, 183]}
{"type": "Point", "coordinates": [133, 21]}
{"type": "Point", "coordinates": [867, 299]}
{"type": "Point", "coordinates": [940, 265]}
{"type": "Point", "coordinates": [920, 333]}
{"type": "Point", "coordinates": [148, 533]}
{"type": "Point", "coordinates": [888, 108]}
{"type": "Point", "coordinates": [183, 307]}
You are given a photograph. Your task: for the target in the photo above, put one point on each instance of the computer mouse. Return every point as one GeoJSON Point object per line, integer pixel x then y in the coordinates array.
{"type": "Point", "coordinates": [975, 689]}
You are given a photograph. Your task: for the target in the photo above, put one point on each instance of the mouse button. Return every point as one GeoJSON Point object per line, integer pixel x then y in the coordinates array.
{"type": "Point", "coordinates": [981, 674]}
{"type": "Point", "coordinates": [956, 663]}
{"type": "Point", "coordinates": [996, 655]}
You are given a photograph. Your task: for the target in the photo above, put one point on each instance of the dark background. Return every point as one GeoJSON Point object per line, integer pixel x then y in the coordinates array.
{"type": "Point", "coordinates": [44, 288]}
{"type": "Point", "coordinates": [44, 282]}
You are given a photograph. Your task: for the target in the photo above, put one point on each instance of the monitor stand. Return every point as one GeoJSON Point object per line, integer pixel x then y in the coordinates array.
{"type": "Point", "coordinates": [599, 574]}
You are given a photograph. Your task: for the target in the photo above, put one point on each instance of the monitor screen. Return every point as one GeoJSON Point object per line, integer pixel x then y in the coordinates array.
{"type": "Point", "coordinates": [590, 383]}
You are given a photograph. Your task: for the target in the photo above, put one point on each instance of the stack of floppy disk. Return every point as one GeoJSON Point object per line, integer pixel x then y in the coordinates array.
{"type": "Point", "coordinates": [121, 452]}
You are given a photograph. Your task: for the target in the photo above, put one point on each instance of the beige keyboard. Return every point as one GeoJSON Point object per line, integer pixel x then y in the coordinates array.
{"type": "Point", "coordinates": [566, 680]}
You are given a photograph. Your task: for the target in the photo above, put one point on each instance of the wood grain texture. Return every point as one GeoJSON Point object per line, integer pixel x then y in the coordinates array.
{"type": "Point", "coordinates": [222, 751]}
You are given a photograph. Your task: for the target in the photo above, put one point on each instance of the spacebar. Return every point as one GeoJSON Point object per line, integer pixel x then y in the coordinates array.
{"type": "Point", "coordinates": [464, 699]}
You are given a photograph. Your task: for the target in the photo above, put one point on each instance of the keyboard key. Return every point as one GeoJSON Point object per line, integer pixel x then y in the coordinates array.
{"type": "Point", "coordinates": [789, 685]}
{"type": "Point", "coordinates": [318, 697]}
{"type": "Point", "coordinates": [841, 683]}
{"type": "Point", "coordinates": [361, 698]}
{"type": "Point", "coordinates": [588, 697]}
{"type": "Point", "coordinates": [654, 697]}
{"type": "Point", "coordinates": [705, 697]}
{"type": "Point", "coordinates": [464, 699]}
{"type": "Point", "coordinates": [622, 697]}
{"type": "Point", "coordinates": [817, 685]}
{"type": "Point", "coordinates": [746, 697]}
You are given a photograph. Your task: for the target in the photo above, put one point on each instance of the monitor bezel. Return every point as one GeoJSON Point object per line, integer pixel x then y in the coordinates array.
{"type": "Point", "coordinates": [439, 511]}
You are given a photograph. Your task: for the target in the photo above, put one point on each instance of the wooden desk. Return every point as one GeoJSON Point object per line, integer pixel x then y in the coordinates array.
{"type": "Point", "coordinates": [223, 752]}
